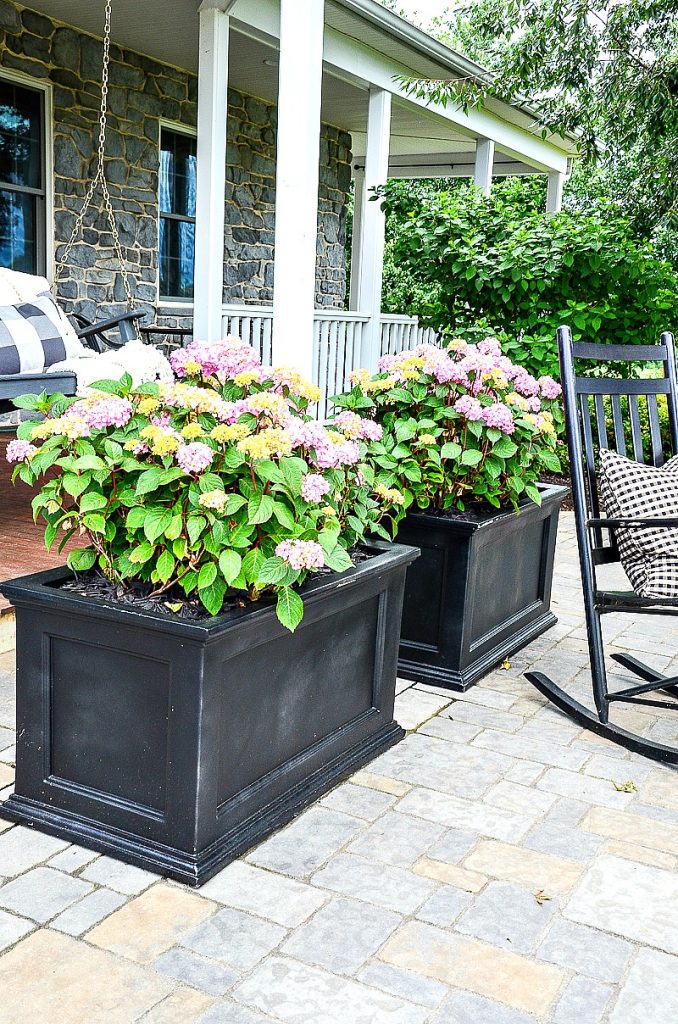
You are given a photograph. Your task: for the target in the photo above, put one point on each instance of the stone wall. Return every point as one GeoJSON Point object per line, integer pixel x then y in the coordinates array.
{"type": "Point", "coordinates": [143, 93]}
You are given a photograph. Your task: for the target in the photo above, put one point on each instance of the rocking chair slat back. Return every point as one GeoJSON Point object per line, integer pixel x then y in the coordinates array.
{"type": "Point", "coordinates": [617, 413]}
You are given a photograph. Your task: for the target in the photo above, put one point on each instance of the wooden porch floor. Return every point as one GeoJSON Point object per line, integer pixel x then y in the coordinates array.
{"type": "Point", "coordinates": [22, 546]}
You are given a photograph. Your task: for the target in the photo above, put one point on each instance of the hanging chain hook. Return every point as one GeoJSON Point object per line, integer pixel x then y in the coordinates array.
{"type": "Point", "coordinates": [100, 176]}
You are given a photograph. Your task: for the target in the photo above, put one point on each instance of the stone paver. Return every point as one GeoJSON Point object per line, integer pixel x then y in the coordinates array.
{"type": "Point", "coordinates": [586, 950]}
{"type": "Point", "coordinates": [234, 938]}
{"type": "Point", "coordinates": [467, 1008]}
{"type": "Point", "coordinates": [527, 867]}
{"type": "Point", "coordinates": [381, 884]}
{"type": "Point", "coordinates": [507, 916]}
{"type": "Point", "coordinates": [245, 887]}
{"type": "Point", "coordinates": [444, 906]}
{"type": "Point", "coordinates": [358, 801]}
{"type": "Point", "coordinates": [583, 1002]}
{"type": "Point", "coordinates": [342, 936]}
{"type": "Point", "coordinates": [406, 984]}
{"type": "Point", "coordinates": [473, 965]}
{"type": "Point", "coordinates": [633, 900]}
{"type": "Point", "coordinates": [13, 928]}
{"type": "Point", "coordinates": [651, 983]}
{"type": "Point", "coordinates": [307, 843]}
{"type": "Point", "coordinates": [62, 979]}
{"type": "Point", "coordinates": [183, 1006]}
{"type": "Point", "coordinates": [196, 971]}
{"type": "Point", "coordinates": [396, 839]}
{"type": "Point", "coordinates": [485, 870]}
{"type": "Point", "coordinates": [22, 848]}
{"type": "Point", "coordinates": [151, 923]}
{"type": "Point", "coordinates": [86, 913]}
{"type": "Point", "coordinates": [114, 874]}
{"type": "Point", "coordinates": [293, 992]}
{"type": "Point", "coordinates": [42, 893]}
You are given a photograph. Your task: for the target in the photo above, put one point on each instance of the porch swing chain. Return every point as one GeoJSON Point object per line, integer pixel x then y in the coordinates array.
{"type": "Point", "coordinates": [100, 176]}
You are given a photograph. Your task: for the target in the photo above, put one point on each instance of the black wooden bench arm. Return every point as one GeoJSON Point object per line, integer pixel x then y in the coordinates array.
{"type": "Point", "coordinates": [632, 524]}
{"type": "Point", "coordinates": [87, 331]}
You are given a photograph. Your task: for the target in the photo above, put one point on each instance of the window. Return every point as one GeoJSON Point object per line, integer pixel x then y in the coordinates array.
{"type": "Point", "coordinates": [178, 164]}
{"type": "Point", "coordinates": [22, 178]}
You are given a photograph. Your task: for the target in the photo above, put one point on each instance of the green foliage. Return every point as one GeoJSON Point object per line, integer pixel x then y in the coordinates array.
{"type": "Point", "coordinates": [459, 426]}
{"type": "Point", "coordinates": [498, 265]}
{"type": "Point", "coordinates": [217, 484]}
{"type": "Point", "coordinates": [604, 70]}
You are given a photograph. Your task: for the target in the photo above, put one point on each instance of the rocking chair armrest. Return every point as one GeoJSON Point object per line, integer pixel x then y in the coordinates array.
{"type": "Point", "coordinates": [91, 330]}
{"type": "Point", "coordinates": [635, 523]}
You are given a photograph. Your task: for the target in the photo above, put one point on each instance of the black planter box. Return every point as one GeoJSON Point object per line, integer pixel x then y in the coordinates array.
{"type": "Point", "coordinates": [480, 591]}
{"type": "Point", "coordinates": [177, 745]}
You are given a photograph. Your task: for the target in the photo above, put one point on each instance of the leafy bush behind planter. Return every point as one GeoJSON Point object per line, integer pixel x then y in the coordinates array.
{"type": "Point", "coordinates": [217, 481]}
{"type": "Point", "coordinates": [461, 425]}
{"type": "Point", "coordinates": [491, 265]}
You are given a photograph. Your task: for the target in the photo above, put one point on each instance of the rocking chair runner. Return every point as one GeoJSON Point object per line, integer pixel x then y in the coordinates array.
{"type": "Point", "coordinates": [585, 412]}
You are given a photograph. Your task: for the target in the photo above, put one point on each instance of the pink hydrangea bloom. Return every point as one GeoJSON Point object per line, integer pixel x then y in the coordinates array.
{"type": "Point", "coordinates": [470, 408]}
{"type": "Point", "coordinates": [195, 458]}
{"type": "Point", "coordinates": [385, 363]}
{"type": "Point", "coordinates": [499, 416]}
{"type": "Point", "coordinates": [314, 487]}
{"type": "Point", "coordinates": [525, 384]}
{"type": "Point", "coordinates": [301, 554]}
{"type": "Point", "coordinates": [489, 347]}
{"type": "Point", "coordinates": [102, 411]}
{"type": "Point", "coordinates": [549, 388]}
{"type": "Point", "coordinates": [225, 358]}
{"type": "Point", "coordinates": [19, 451]}
{"type": "Point", "coordinates": [354, 426]}
{"type": "Point", "coordinates": [329, 455]}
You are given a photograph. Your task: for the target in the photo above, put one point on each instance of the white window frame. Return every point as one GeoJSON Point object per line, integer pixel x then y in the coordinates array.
{"type": "Point", "coordinates": [39, 85]}
{"type": "Point", "coordinates": [180, 129]}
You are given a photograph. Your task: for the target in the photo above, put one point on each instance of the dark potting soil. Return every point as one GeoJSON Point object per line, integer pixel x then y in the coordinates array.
{"type": "Point", "coordinates": [139, 595]}
{"type": "Point", "coordinates": [476, 513]}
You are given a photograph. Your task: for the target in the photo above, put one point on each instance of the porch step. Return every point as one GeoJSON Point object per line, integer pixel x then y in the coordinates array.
{"type": "Point", "coordinates": [7, 627]}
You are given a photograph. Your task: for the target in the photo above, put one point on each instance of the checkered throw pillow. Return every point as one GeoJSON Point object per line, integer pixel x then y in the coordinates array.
{"type": "Point", "coordinates": [34, 335]}
{"type": "Point", "coordinates": [629, 489]}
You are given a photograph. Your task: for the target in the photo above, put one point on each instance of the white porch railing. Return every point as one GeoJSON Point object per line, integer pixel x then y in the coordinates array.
{"type": "Point", "coordinates": [403, 332]}
{"type": "Point", "coordinates": [337, 341]}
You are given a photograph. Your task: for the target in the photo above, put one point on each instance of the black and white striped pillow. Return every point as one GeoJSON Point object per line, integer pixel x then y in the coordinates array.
{"type": "Point", "coordinates": [35, 335]}
{"type": "Point", "coordinates": [630, 489]}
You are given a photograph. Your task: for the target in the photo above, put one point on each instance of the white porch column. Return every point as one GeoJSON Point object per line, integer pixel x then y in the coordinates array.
{"type": "Point", "coordinates": [298, 173]}
{"type": "Point", "coordinates": [483, 167]}
{"type": "Point", "coordinates": [357, 239]}
{"type": "Point", "coordinates": [373, 224]}
{"type": "Point", "coordinates": [554, 192]}
{"type": "Point", "coordinates": [211, 169]}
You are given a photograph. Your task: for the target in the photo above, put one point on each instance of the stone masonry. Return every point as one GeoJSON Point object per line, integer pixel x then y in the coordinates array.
{"type": "Point", "coordinates": [143, 93]}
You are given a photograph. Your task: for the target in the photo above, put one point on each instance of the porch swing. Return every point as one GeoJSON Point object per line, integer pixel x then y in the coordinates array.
{"type": "Point", "coordinates": [46, 317]}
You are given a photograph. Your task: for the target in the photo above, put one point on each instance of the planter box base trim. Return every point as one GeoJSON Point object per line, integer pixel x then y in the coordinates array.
{"type": "Point", "coordinates": [449, 679]}
{"type": "Point", "coordinates": [176, 864]}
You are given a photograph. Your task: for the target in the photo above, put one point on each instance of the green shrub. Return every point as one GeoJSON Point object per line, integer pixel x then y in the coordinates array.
{"type": "Point", "coordinates": [499, 265]}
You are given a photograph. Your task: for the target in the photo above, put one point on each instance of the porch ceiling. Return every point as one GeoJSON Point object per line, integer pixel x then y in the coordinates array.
{"type": "Point", "coordinates": [167, 30]}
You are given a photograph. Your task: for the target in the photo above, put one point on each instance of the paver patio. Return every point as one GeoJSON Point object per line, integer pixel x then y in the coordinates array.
{"type": "Point", "coordinates": [487, 870]}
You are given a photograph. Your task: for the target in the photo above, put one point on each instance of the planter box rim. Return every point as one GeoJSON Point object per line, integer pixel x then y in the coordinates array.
{"type": "Point", "coordinates": [550, 493]}
{"type": "Point", "coordinates": [39, 588]}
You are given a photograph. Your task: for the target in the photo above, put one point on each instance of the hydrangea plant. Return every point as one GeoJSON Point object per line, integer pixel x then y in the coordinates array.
{"type": "Point", "coordinates": [217, 481]}
{"type": "Point", "coordinates": [460, 425]}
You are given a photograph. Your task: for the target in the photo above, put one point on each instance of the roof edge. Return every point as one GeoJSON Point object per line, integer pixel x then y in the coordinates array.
{"type": "Point", "coordinates": [428, 45]}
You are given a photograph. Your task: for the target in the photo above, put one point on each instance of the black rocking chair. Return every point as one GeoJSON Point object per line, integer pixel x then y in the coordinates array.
{"type": "Point", "coordinates": [589, 413]}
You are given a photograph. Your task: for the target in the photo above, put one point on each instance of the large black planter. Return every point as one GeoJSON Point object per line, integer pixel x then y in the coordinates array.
{"type": "Point", "coordinates": [480, 591]}
{"type": "Point", "coordinates": [177, 745]}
